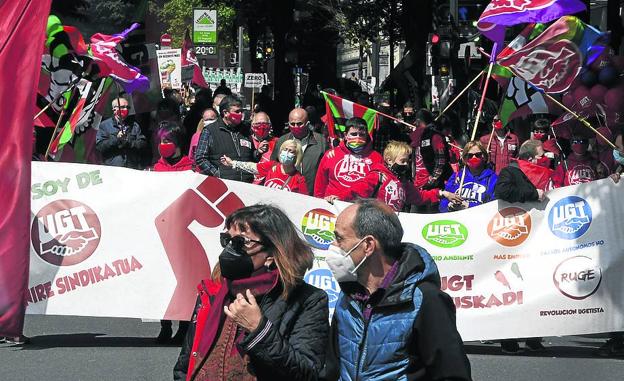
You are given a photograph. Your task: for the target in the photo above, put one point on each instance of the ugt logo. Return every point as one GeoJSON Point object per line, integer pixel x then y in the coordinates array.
{"type": "Point", "coordinates": [323, 279]}
{"type": "Point", "coordinates": [445, 233]}
{"type": "Point", "coordinates": [570, 217]}
{"type": "Point", "coordinates": [65, 232]}
{"type": "Point", "coordinates": [318, 228]}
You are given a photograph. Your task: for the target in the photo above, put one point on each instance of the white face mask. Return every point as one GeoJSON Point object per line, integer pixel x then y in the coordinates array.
{"type": "Point", "coordinates": [209, 122]}
{"type": "Point", "coordinates": [341, 264]}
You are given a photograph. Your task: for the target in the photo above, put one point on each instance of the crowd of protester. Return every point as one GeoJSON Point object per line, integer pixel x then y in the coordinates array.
{"type": "Point", "coordinates": [423, 165]}
{"type": "Point", "coordinates": [417, 162]}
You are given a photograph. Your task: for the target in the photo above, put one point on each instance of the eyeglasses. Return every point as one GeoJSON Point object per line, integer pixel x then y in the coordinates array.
{"type": "Point", "coordinates": [579, 141]}
{"type": "Point", "coordinates": [120, 107]}
{"type": "Point", "coordinates": [296, 124]}
{"type": "Point", "coordinates": [238, 241]}
{"type": "Point", "coordinates": [477, 154]}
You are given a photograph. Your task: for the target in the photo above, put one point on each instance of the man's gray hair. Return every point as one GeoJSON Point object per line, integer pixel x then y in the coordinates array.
{"type": "Point", "coordinates": [377, 219]}
{"type": "Point", "coordinates": [528, 149]}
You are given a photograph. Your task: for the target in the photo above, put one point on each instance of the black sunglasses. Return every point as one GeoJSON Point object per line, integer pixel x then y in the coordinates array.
{"type": "Point", "coordinates": [478, 154]}
{"type": "Point", "coordinates": [296, 124]}
{"type": "Point", "coordinates": [238, 241]}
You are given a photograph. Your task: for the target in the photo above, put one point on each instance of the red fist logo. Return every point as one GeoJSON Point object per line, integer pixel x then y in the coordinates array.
{"type": "Point", "coordinates": [208, 205]}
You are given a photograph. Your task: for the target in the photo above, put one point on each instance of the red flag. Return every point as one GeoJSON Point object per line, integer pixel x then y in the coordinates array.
{"type": "Point", "coordinates": [189, 58]}
{"type": "Point", "coordinates": [22, 35]}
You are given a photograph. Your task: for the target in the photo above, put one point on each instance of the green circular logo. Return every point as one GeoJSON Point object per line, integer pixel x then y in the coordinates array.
{"type": "Point", "coordinates": [445, 233]}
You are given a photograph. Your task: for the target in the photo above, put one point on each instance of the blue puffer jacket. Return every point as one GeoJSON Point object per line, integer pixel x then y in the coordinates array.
{"type": "Point", "coordinates": [476, 190]}
{"type": "Point", "coordinates": [411, 333]}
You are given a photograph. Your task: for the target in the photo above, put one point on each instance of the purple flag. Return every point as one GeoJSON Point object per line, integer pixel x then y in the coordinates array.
{"type": "Point", "coordinates": [503, 13]}
{"type": "Point", "coordinates": [104, 46]}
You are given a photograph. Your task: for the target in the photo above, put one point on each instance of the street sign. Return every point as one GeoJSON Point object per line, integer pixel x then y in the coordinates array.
{"type": "Point", "coordinates": [205, 50]}
{"type": "Point", "coordinates": [165, 41]}
{"type": "Point", "coordinates": [204, 26]}
{"type": "Point", "coordinates": [255, 80]}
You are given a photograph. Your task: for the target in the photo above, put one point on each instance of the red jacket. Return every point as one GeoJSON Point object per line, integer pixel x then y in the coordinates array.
{"type": "Point", "coordinates": [185, 164]}
{"type": "Point", "coordinates": [501, 153]}
{"type": "Point", "coordinates": [580, 170]}
{"type": "Point", "coordinates": [340, 169]}
{"type": "Point", "coordinates": [207, 289]}
{"type": "Point", "coordinates": [274, 177]}
{"type": "Point", "coordinates": [381, 183]}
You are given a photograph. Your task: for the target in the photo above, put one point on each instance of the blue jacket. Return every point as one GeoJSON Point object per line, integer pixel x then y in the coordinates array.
{"type": "Point", "coordinates": [120, 152]}
{"type": "Point", "coordinates": [411, 333]}
{"type": "Point", "coordinates": [476, 190]}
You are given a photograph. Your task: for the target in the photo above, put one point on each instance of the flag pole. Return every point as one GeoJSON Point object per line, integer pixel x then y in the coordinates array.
{"type": "Point", "coordinates": [580, 119]}
{"type": "Point", "coordinates": [58, 123]}
{"type": "Point", "coordinates": [490, 141]}
{"type": "Point", "coordinates": [459, 95]}
{"type": "Point", "coordinates": [485, 87]}
{"type": "Point", "coordinates": [56, 98]}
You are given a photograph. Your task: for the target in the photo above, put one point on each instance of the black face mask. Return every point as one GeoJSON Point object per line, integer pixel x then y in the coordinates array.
{"type": "Point", "coordinates": [401, 170]}
{"type": "Point", "coordinates": [235, 264]}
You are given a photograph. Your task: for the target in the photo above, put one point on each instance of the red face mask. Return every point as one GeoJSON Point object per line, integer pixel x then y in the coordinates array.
{"type": "Point", "coordinates": [579, 149]}
{"type": "Point", "coordinates": [167, 150]}
{"type": "Point", "coordinates": [539, 135]}
{"type": "Point", "coordinates": [122, 113]}
{"type": "Point", "coordinates": [474, 162]}
{"type": "Point", "coordinates": [261, 130]}
{"type": "Point", "coordinates": [498, 125]}
{"type": "Point", "coordinates": [235, 118]}
{"type": "Point", "coordinates": [299, 131]}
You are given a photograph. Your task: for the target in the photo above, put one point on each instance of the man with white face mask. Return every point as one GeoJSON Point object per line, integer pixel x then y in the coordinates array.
{"type": "Point", "coordinates": [391, 321]}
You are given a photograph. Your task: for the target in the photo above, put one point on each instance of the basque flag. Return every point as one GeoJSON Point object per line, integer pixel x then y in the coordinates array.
{"type": "Point", "coordinates": [338, 110]}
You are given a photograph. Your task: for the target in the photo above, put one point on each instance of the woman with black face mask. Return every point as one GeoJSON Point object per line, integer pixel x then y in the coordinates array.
{"type": "Point", "coordinates": [256, 319]}
{"type": "Point", "coordinates": [391, 182]}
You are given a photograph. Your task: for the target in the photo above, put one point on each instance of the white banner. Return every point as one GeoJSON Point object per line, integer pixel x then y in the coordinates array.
{"type": "Point", "coordinates": [170, 68]}
{"type": "Point", "coordinates": [117, 242]}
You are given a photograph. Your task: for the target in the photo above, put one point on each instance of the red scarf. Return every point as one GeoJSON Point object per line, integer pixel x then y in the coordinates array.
{"type": "Point", "coordinates": [259, 284]}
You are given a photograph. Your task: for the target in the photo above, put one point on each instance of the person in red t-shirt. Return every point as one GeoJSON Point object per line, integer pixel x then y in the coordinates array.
{"type": "Point", "coordinates": [579, 167]}
{"type": "Point", "coordinates": [390, 181]}
{"type": "Point", "coordinates": [279, 175]}
{"type": "Point", "coordinates": [263, 141]}
{"type": "Point", "coordinates": [502, 145]}
{"type": "Point", "coordinates": [343, 166]}
{"type": "Point", "coordinates": [171, 134]}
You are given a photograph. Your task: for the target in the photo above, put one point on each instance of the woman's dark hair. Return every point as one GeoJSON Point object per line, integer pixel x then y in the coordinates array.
{"type": "Point", "coordinates": [171, 131]}
{"type": "Point", "coordinates": [292, 255]}
{"type": "Point", "coordinates": [227, 102]}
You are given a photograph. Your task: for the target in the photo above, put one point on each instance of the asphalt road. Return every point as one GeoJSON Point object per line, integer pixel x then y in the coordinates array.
{"type": "Point", "coordinates": [78, 348]}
